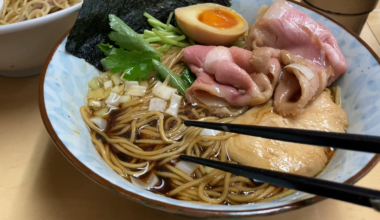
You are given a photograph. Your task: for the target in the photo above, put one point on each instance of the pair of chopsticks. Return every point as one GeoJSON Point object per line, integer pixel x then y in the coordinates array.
{"type": "Point", "coordinates": [329, 189]}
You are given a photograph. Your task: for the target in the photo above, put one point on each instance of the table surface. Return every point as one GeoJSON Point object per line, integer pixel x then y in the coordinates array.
{"type": "Point", "coordinates": [37, 182]}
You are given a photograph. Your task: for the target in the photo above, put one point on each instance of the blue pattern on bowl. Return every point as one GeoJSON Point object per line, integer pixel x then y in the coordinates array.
{"type": "Point", "coordinates": [66, 85]}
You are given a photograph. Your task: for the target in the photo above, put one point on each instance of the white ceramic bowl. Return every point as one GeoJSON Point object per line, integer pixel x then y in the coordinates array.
{"type": "Point", "coordinates": [24, 46]}
{"type": "Point", "coordinates": [64, 85]}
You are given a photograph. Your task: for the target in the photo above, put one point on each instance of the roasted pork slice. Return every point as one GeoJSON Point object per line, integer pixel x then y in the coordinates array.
{"type": "Point", "coordinates": [283, 27]}
{"type": "Point", "coordinates": [266, 60]}
{"type": "Point", "coordinates": [228, 77]}
{"type": "Point", "coordinates": [284, 35]}
{"type": "Point", "coordinates": [301, 82]}
{"type": "Point", "coordinates": [323, 114]}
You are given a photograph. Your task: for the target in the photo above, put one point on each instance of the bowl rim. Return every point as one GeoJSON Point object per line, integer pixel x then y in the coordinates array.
{"type": "Point", "coordinates": [24, 25]}
{"type": "Point", "coordinates": [174, 208]}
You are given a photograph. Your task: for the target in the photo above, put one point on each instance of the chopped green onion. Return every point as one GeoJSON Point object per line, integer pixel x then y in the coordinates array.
{"type": "Point", "coordinates": [172, 28]}
{"type": "Point", "coordinates": [95, 103]}
{"type": "Point", "coordinates": [169, 19]}
{"type": "Point", "coordinates": [99, 122]}
{"type": "Point", "coordinates": [175, 80]}
{"type": "Point", "coordinates": [175, 38]}
{"type": "Point", "coordinates": [94, 84]}
{"type": "Point", "coordinates": [137, 90]}
{"type": "Point", "coordinates": [209, 132]}
{"type": "Point", "coordinates": [153, 39]}
{"type": "Point", "coordinates": [157, 23]}
{"type": "Point", "coordinates": [175, 102]}
{"type": "Point", "coordinates": [165, 33]}
{"type": "Point", "coordinates": [165, 48]}
{"type": "Point", "coordinates": [100, 93]}
{"type": "Point", "coordinates": [125, 98]}
{"type": "Point", "coordinates": [108, 84]}
{"type": "Point", "coordinates": [129, 84]}
{"type": "Point", "coordinates": [118, 89]}
{"type": "Point", "coordinates": [103, 112]}
{"type": "Point", "coordinates": [149, 33]}
{"type": "Point", "coordinates": [164, 92]}
{"type": "Point", "coordinates": [168, 34]}
{"type": "Point", "coordinates": [169, 41]}
{"type": "Point", "coordinates": [150, 16]}
{"type": "Point", "coordinates": [152, 182]}
{"type": "Point", "coordinates": [103, 76]}
{"type": "Point", "coordinates": [179, 38]}
{"type": "Point", "coordinates": [157, 104]}
{"type": "Point", "coordinates": [113, 99]}
{"type": "Point", "coordinates": [115, 79]}
{"type": "Point", "coordinates": [187, 167]}
{"type": "Point", "coordinates": [156, 27]}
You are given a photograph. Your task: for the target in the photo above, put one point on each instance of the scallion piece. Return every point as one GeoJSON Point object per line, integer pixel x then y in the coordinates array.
{"type": "Point", "coordinates": [168, 40]}
{"type": "Point", "coordinates": [175, 103]}
{"type": "Point", "coordinates": [165, 47]}
{"type": "Point", "coordinates": [148, 33]}
{"type": "Point", "coordinates": [169, 18]}
{"type": "Point", "coordinates": [174, 80]}
{"type": "Point", "coordinates": [167, 33]}
{"type": "Point", "coordinates": [172, 28]}
{"type": "Point", "coordinates": [150, 17]}
{"type": "Point", "coordinates": [94, 84]}
{"type": "Point", "coordinates": [156, 22]}
{"type": "Point", "coordinates": [157, 104]}
{"type": "Point", "coordinates": [153, 39]}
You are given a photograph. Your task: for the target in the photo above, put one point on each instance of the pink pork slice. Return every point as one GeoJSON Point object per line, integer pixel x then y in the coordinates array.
{"type": "Point", "coordinates": [226, 77]}
{"type": "Point", "coordinates": [286, 28]}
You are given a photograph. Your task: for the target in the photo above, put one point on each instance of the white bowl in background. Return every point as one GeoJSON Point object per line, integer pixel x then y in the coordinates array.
{"type": "Point", "coordinates": [25, 45]}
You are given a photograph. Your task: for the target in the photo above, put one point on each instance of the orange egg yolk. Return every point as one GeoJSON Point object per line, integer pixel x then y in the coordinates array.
{"type": "Point", "coordinates": [218, 18]}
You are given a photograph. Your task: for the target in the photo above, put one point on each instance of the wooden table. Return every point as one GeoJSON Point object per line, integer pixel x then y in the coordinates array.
{"type": "Point", "coordinates": [37, 182]}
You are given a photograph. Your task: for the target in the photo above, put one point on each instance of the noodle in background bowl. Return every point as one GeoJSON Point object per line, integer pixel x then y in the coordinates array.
{"type": "Point", "coordinates": [63, 87]}
{"type": "Point", "coordinates": [25, 45]}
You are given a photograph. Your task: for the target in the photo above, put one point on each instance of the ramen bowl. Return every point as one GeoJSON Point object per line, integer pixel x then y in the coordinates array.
{"type": "Point", "coordinates": [25, 45]}
{"type": "Point", "coordinates": [63, 87]}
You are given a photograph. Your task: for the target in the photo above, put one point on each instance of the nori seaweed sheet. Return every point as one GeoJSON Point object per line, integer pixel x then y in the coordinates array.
{"type": "Point", "coordinates": [92, 25]}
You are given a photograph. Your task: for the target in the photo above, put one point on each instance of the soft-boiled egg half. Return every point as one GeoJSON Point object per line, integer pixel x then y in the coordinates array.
{"type": "Point", "coordinates": [211, 24]}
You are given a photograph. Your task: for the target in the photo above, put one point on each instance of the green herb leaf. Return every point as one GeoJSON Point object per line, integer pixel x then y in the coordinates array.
{"type": "Point", "coordinates": [135, 65]}
{"type": "Point", "coordinates": [188, 77]}
{"type": "Point", "coordinates": [106, 48]}
{"type": "Point", "coordinates": [127, 38]}
{"type": "Point", "coordinates": [174, 80]}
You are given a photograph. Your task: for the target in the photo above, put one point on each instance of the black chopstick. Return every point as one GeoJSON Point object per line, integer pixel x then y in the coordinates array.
{"type": "Point", "coordinates": [345, 141]}
{"type": "Point", "coordinates": [343, 192]}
